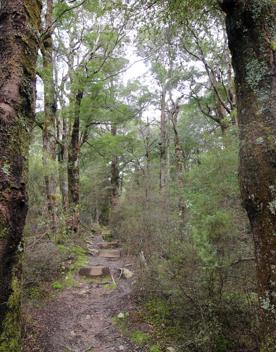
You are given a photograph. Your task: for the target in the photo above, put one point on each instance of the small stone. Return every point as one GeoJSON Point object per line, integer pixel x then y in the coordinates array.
{"type": "Point", "coordinates": [121, 316]}
{"type": "Point", "coordinates": [72, 333]}
{"type": "Point", "coordinates": [121, 348]}
{"type": "Point", "coordinates": [126, 273]}
{"type": "Point", "coordinates": [93, 251]}
{"type": "Point", "coordinates": [171, 349]}
{"type": "Point", "coordinates": [82, 292]}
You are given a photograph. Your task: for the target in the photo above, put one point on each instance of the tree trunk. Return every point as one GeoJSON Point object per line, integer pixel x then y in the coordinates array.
{"type": "Point", "coordinates": [251, 28]}
{"type": "Point", "coordinates": [62, 134]}
{"type": "Point", "coordinates": [50, 108]}
{"type": "Point", "coordinates": [62, 161]}
{"type": "Point", "coordinates": [115, 175]}
{"type": "Point", "coordinates": [74, 166]}
{"type": "Point", "coordinates": [163, 143]}
{"type": "Point", "coordinates": [20, 22]}
{"type": "Point", "coordinates": [179, 160]}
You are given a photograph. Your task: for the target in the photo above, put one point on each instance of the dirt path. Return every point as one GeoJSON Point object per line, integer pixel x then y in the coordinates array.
{"type": "Point", "coordinates": [79, 319]}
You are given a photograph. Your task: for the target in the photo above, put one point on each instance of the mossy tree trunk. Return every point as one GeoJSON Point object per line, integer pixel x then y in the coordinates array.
{"type": "Point", "coordinates": [20, 22]}
{"type": "Point", "coordinates": [50, 109]}
{"type": "Point", "coordinates": [251, 29]}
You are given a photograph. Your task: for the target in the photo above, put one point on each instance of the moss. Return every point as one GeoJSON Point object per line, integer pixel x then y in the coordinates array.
{"type": "Point", "coordinates": [3, 232]}
{"type": "Point", "coordinates": [6, 169]}
{"type": "Point", "coordinates": [80, 259]}
{"type": "Point", "coordinates": [269, 345]}
{"type": "Point", "coordinates": [140, 338]}
{"type": "Point", "coordinates": [33, 9]}
{"type": "Point", "coordinates": [155, 348]}
{"type": "Point", "coordinates": [10, 340]}
{"type": "Point", "coordinates": [57, 285]}
{"type": "Point", "coordinates": [110, 287]}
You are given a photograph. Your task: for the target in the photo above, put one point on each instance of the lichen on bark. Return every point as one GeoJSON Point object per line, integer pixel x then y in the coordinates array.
{"type": "Point", "coordinates": [251, 28]}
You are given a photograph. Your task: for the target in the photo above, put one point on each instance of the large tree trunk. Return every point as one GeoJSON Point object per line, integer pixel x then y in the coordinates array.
{"type": "Point", "coordinates": [251, 28]}
{"type": "Point", "coordinates": [49, 126]}
{"type": "Point", "coordinates": [19, 22]}
{"type": "Point", "coordinates": [74, 166]}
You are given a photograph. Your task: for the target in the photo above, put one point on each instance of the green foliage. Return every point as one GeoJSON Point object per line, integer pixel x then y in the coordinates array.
{"type": "Point", "coordinates": [213, 199]}
{"type": "Point", "coordinates": [57, 285]}
{"type": "Point", "coordinates": [187, 283]}
{"type": "Point", "coordinates": [155, 348]}
{"type": "Point", "coordinates": [140, 338]}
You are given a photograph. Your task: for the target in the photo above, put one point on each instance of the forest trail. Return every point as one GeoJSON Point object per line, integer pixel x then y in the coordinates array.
{"type": "Point", "coordinates": [81, 318]}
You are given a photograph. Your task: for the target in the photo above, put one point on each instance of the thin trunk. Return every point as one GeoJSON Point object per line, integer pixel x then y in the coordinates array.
{"type": "Point", "coordinates": [221, 112]}
{"type": "Point", "coordinates": [179, 161]}
{"type": "Point", "coordinates": [74, 166]}
{"type": "Point", "coordinates": [62, 161]}
{"type": "Point", "coordinates": [251, 28]}
{"type": "Point", "coordinates": [19, 22]}
{"type": "Point", "coordinates": [163, 143]}
{"type": "Point", "coordinates": [147, 170]}
{"type": "Point", "coordinates": [115, 174]}
{"type": "Point", "coordinates": [62, 136]}
{"type": "Point", "coordinates": [50, 108]}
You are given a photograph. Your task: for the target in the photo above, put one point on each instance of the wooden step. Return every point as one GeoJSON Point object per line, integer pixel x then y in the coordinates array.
{"type": "Point", "coordinates": [110, 253]}
{"type": "Point", "coordinates": [108, 245]}
{"type": "Point", "coordinates": [94, 271]}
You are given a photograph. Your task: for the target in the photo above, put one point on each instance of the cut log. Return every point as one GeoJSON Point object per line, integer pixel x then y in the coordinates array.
{"type": "Point", "coordinates": [94, 271]}
{"type": "Point", "coordinates": [108, 245]}
{"type": "Point", "coordinates": [110, 253]}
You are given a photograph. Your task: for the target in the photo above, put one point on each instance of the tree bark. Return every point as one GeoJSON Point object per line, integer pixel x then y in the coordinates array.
{"type": "Point", "coordinates": [115, 174]}
{"type": "Point", "coordinates": [179, 159]}
{"type": "Point", "coordinates": [62, 134]}
{"type": "Point", "coordinates": [50, 109]}
{"type": "Point", "coordinates": [63, 160]}
{"type": "Point", "coordinates": [19, 22]}
{"type": "Point", "coordinates": [251, 28]}
{"type": "Point", "coordinates": [163, 142]}
{"type": "Point", "coordinates": [74, 166]}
